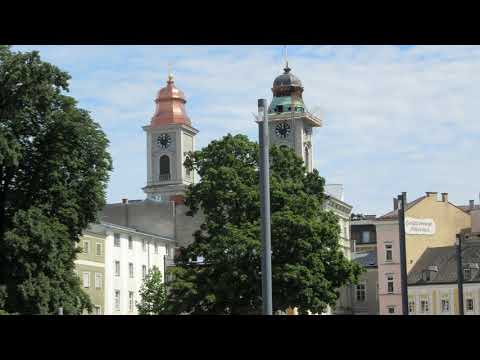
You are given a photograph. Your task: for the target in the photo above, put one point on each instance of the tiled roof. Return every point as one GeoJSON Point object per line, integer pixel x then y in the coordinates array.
{"type": "Point", "coordinates": [444, 258]}
{"type": "Point", "coordinates": [366, 259]}
{"type": "Point", "coordinates": [392, 215]}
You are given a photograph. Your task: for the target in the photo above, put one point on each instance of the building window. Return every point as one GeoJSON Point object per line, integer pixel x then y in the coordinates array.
{"type": "Point", "coordinates": [391, 309]}
{"type": "Point", "coordinates": [365, 237]}
{"type": "Point", "coordinates": [86, 279]}
{"type": "Point", "coordinates": [164, 168]}
{"type": "Point", "coordinates": [388, 252]}
{"type": "Point", "coordinates": [98, 280]}
{"type": "Point", "coordinates": [467, 274]}
{"type": "Point", "coordinates": [98, 310]}
{"type": "Point", "coordinates": [156, 248]}
{"type": "Point", "coordinates": [390, 284]}
{"type": "Point", "coordinates": [144, 245]}
{"type": "Point", "coordinates": [130, 270]}
{"type": "Point", "coordinates": [116, 240]}
{"type": "Point", "coordinates": [469, 304]}
{"type": "Point", "coordinates": [411, 306]}
{"type": "Point", "coordinates": [117, 300]}
{"type": "Point", "coordinates": [130, 243]}
{"type": "Point", "coordinates": [117, 268]}
{"type": "Point", "coordinates": [144, 271]}
{"type": "Point", "coordinates": [99, 249]}
{"type": "Point", "coordinates": [86, 247]}
{"type": "Point", "coordinates": [424, 306]}
{"type": "Point", "coordinates": [130, 301]}
{"type": "Point", "coordinates": [360, 292]}
{"type": "Point", "coordinates": [307, 157]}
{"type": "Point", "coordinates": [445, 305]}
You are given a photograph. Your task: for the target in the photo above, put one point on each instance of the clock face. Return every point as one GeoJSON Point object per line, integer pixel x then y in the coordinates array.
{"type": "Point", "coordinates": [164, 141]}
{"type": "Point", "coordinates": [282, 130]}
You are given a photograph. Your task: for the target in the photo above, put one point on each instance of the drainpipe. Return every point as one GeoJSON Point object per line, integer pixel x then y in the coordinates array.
{"type": "Point", "coordinates": [460, 274]}
{"type": "Point", "coordinates": [148, 256]}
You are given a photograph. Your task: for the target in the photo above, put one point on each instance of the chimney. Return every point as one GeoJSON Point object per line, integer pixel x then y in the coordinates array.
{"type": "Point", "coordinates": [395, 204]}
{"type": "Point", "coordinates": [444, 197]}
{"type": "Point", "coordinates": [125, 201]}
{"type": "Point", "coordinates": [431, 194]}
{"type": "Point", "coordinates": [472, 204]}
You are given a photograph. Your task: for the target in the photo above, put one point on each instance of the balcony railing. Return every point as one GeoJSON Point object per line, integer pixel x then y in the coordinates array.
{"type": "Point", "coordinates": [164, 177]}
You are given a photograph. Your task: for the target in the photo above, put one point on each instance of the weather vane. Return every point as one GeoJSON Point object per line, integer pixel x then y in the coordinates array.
{"type": "Point", "coordinates": [170, 75]}
{"type": "Point", "coordinates": [285, 54]}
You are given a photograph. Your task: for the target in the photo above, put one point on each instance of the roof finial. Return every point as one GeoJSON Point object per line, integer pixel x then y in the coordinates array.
{"type": "Point", "coordinates": [170, 75]}
{"type": "Point", "coordinates": [287, 69]}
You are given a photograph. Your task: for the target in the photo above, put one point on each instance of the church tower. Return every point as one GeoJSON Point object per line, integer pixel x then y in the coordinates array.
{"type": "Point", "coordinates": [290, 124]}
{"type": "Point", "coordinates": [170, 136]}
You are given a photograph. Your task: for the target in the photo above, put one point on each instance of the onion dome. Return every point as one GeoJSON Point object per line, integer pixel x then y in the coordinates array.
{"type": "Point", "coordinates": [287, 79]}
{"type": "Point", "coordinates": [287, 93]}
{"type": "Point", "coordinates": [170, 107]}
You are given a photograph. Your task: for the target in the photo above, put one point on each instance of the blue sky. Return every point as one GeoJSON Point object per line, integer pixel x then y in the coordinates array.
{"type": "Point", "coordinates": [396, 118]}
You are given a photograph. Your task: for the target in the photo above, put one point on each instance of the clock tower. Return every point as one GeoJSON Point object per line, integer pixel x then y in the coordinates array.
{"type": "Point", "coordinates": [290, 124]}
{"type": "Point", "coordinates": [170, 136]}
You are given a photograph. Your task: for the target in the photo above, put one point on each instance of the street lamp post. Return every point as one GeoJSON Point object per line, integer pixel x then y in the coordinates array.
{"type": "Point", "coordinates": [402, 200]}
{"type": "Point", "coordinates": [265, 206]}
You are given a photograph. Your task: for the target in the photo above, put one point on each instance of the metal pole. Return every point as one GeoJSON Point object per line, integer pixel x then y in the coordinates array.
{"type": "Point", "coordinates": [460, 274]}
{"type": "Point", "coordinates": [403, 252]}
{"type": "Point", "coordinates": [265, 206]}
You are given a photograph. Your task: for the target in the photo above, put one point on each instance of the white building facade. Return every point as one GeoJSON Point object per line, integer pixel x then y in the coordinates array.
{"type": "Point", "coordinates": [129, 256]}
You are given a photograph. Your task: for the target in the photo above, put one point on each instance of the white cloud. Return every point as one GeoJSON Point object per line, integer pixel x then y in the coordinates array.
{"type": "Point", "coordinates": [394, 119]}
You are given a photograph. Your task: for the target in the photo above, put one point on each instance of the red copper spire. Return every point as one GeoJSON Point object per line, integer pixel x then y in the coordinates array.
{"type": "Point", "coordinates": [170, 106]}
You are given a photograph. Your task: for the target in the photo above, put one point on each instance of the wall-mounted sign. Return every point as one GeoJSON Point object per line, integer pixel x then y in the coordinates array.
{"type": "Point", "coordinates": [419, 226]}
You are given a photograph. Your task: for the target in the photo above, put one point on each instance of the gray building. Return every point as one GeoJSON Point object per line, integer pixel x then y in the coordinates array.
{"type": "Point", "coordinates": [164, 218]}
{"type": "Point", "coordinates": [365, 293]}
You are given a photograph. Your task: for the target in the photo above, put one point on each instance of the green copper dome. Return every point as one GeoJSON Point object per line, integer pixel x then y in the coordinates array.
{"type": "Point", "coordinates": [281, 104]}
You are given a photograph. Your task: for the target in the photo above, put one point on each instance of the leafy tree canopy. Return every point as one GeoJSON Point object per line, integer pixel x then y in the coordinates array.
{"type": "Point", "coordinates": [54, 167]}
{"type": "Point", "coordinates": [152, 294]}
{"type": "Point", "coordinates": [308, 266]}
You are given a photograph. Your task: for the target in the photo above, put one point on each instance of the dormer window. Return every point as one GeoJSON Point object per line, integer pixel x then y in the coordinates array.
{"type": "Point", "coordinates": [429, 273]}
{"type": "Point", "coordinates": [426, 275]}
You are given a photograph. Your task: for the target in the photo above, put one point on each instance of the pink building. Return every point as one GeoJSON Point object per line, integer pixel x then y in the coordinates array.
{"type": "Point", "coordinates": [389, 275]}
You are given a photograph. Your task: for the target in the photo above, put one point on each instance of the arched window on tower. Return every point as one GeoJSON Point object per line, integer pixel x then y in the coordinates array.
{"type": "Point", "coordinates": [164, 168]}
{"type": "Point", "coordinates": [307, 157]}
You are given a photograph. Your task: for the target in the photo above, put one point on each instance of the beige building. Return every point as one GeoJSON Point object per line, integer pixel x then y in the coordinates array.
{"type": "Point", "coordinates": [432, 282]}
{"type": "Point", "coordinates": [90, 266]}
{"type": "Point", "coordinates": [430, 222]}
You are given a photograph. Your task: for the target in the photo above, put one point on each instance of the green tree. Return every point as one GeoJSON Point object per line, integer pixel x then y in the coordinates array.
{"type": "Point", "coordinates": [54, 167]}
{"type": "Point", "coordinates": [153, 294]}
{"type": "Point", "coordinates": [3, 297]}
{"type": "Point", "coordinates": [308, 266]}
